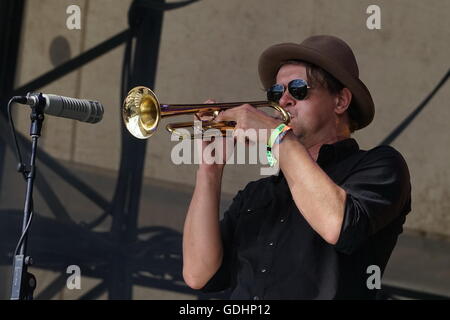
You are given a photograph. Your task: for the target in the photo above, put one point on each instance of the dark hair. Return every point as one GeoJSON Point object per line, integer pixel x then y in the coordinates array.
{"type": "Point", "coordinates": [319, 77]}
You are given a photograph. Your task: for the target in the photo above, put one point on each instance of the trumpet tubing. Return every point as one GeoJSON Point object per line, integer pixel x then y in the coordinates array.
{"type": "Point", "coordinates": [142, 112]}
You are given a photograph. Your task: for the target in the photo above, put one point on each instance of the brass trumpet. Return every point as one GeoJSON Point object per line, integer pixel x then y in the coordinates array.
{"type": "Point", "coordinates": [142, 112]}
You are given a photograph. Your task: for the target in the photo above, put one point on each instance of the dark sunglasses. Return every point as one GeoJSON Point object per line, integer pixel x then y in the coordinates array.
{"type": "Point", "coordinates": [298, 88]}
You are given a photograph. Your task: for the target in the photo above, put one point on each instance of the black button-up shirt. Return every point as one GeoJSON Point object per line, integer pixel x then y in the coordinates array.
{"type": "Point", "coordinates": [271, 252]}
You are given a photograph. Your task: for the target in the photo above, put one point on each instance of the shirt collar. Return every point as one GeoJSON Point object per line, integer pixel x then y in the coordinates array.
{"type": "Point", "coordinates": [332, 153]}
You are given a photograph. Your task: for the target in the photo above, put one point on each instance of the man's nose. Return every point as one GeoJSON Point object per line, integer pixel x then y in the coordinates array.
{"type": "Point", "coordinates": [286, 100]}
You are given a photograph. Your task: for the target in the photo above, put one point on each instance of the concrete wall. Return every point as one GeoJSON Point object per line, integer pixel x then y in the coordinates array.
{"type": "Point", "coordinates": [210, 50]}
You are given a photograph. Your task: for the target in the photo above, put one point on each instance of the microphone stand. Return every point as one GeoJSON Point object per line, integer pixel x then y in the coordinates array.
{"type": "Point", "coordinates": [24, 283]}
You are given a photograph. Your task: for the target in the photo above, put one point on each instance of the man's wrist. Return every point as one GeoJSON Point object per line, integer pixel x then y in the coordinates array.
{"type": "Point", "coordinates": [274, 140]}
{"type": "Point", "coordinates": [210, 171]}
{"type": "Point", "coordinates": [288, 138]}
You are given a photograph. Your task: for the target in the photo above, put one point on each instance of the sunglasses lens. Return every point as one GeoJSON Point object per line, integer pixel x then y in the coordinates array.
{"type": "Point", "coordinates": [298, 89]}
{"type": "Point", "coordinates": [275, 93]}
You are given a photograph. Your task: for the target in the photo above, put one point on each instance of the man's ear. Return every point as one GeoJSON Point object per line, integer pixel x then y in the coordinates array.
{"type": "Point", "coordinates": [343, 100]}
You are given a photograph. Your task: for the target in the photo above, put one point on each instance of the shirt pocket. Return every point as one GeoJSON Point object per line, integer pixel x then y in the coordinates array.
{"type": "Point", "coordinates": [251, 219]}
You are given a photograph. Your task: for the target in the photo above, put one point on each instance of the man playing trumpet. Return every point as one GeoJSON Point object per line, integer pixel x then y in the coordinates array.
{"type": "Point", "coordinates": [333, 211]}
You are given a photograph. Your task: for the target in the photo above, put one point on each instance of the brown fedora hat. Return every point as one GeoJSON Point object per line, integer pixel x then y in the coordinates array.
{"type": "Point", "coordinates": [329, 53]}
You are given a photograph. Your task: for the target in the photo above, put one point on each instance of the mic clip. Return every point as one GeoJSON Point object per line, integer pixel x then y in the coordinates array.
{"type": "Point", "coordinates": [35, 99]}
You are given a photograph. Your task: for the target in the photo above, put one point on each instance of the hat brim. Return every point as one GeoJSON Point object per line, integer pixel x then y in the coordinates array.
{"type": "Point", "coordinates": [271, 59]}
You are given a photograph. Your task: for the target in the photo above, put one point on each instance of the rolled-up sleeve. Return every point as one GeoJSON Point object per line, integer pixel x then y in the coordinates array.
{"type": "Point", "coordinates": [378, 191]}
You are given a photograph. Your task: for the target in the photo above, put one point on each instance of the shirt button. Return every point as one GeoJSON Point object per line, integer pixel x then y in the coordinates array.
{"type": "Point", "coordinates": [282, 220]}
{"type": "Point", "coordinates": [263, 270]}
{"type": "Point", "coordinates": [249, 210]}
{"type": "Point", "coordinates": [270, 244]}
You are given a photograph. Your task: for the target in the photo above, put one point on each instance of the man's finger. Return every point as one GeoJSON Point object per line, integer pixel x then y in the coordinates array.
{"type": "Point", "coordinates": [227, 115]}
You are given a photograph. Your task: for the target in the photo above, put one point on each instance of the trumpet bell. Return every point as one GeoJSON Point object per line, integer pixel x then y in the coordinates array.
{"type": "Point", "coordinates": [141, 112]}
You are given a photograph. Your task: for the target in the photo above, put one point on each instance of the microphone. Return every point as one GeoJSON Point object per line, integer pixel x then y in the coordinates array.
{"type": "Point", "coordinates": [76, 109]}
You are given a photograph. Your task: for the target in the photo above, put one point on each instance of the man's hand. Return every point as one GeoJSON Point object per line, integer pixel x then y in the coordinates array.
{"type": "Point", "coordinates": [223, 146]}
{"type": "Point", "coordinates": [248, 117]}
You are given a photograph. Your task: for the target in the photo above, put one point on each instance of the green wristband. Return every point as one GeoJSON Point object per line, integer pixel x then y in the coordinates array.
{"type": "Point", "coordinates": [270, 158]}
{"type": "Point", "coordinates": [277, 133]}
